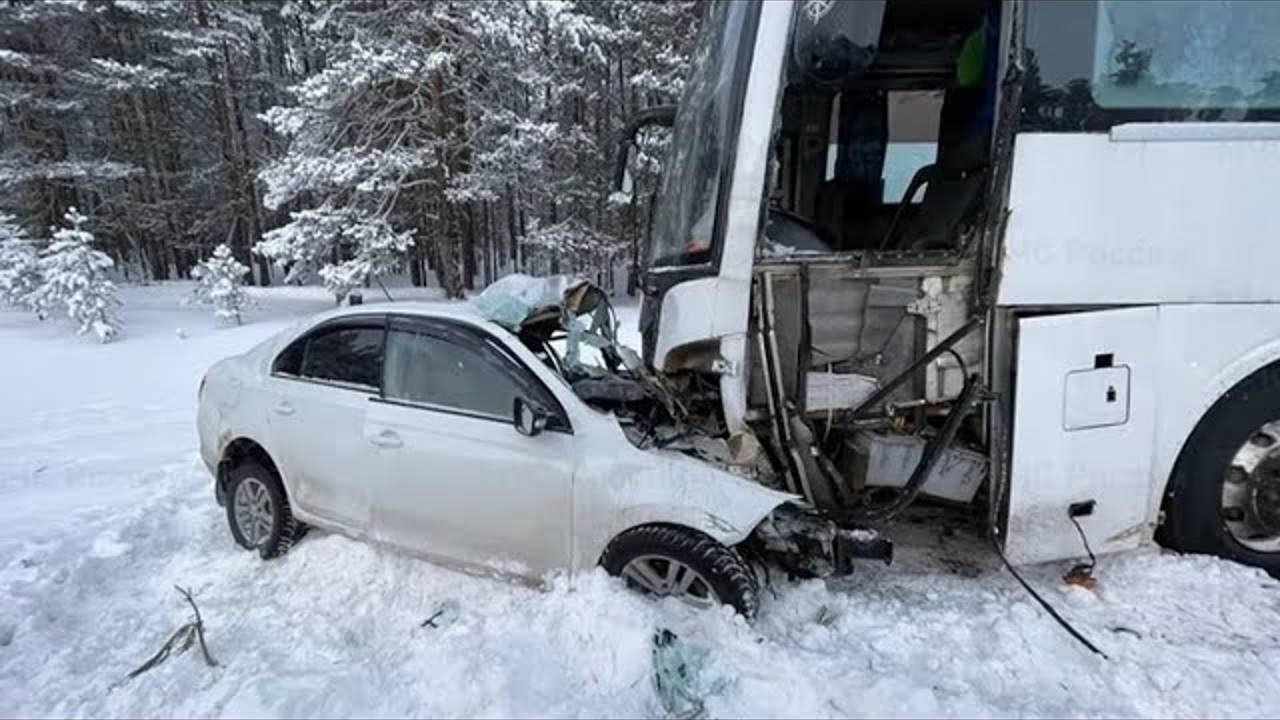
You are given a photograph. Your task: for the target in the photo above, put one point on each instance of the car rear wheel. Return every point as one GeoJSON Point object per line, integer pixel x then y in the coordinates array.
{"type": "Point", "coordinates": [671, 561]}
{"type": "Point", "coordinates": [258, 511]}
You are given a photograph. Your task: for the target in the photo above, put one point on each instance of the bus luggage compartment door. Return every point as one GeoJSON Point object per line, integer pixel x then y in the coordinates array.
{"type": "Point", "coordinates": [1084, 419]}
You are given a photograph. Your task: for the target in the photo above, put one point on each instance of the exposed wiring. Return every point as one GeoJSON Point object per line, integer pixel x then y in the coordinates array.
{"type": "Point", "coordinates": [858, 357]}
{"type": "Point", "coordinates": [964, 369]}
{"type": "Point", "coordinates": [889, 338]}
{"type": "Point", "coordinates": [1044, 603]}
{"type": "Point", "coordinates": [1093, 559]}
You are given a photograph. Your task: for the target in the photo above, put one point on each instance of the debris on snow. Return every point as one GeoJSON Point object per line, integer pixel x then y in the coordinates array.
{"type": "Point", "coordinates": [824, 617]}
{"type": "Point", "coordinates": [1122, 630]}
{"type": "Point", "coordinates": [678, 675]}
{"type": "Point", "coordinates": [182, 639]}
{"type": "Point", "coordinates": [1082, 577]}
{"type": "Point", "coordinates": [445, 614]}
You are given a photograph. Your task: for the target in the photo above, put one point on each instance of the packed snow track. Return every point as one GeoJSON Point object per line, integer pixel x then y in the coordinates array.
{"type": "Point", "coordinates": [105, 507]}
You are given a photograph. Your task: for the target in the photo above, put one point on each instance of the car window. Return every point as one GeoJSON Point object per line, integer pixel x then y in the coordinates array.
{"type": "Point", "coordinates": [344, 355]}
{"type": "Point", "coordinates": [424, 368]}
{"type": "Point", "coordinates": [289, 362]}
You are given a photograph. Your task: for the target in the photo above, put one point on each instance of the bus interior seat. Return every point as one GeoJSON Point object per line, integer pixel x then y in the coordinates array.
{"type": "Point", "coordinates": [952, 185]}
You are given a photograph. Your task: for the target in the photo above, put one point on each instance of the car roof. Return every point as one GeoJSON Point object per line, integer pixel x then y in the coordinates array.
{"type": "Point", "coordinates": [439, 309]}
{"type": "Point", "coordinates": [449, 310]}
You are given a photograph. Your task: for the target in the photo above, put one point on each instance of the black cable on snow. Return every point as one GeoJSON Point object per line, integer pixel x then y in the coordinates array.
{"type": "Point", "coordinates": [1045, 603]}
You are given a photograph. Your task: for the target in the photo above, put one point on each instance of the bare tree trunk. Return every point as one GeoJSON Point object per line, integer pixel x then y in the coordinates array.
{"type": "Point", "coordinates": [468, 247]}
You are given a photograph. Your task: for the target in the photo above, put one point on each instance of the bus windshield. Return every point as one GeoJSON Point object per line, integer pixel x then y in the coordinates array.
{"type": "Point", "coordinates": [702, 141]}
{"type": "Point", "coordinates": [1092, 65]}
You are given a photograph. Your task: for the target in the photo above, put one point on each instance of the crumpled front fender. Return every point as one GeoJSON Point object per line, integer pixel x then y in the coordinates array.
{"type": "Point", "coordinates": [647, 487]}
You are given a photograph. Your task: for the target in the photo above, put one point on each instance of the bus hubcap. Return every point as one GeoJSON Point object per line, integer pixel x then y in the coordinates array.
{"type": "Point", "coordinates": [1251, 491]}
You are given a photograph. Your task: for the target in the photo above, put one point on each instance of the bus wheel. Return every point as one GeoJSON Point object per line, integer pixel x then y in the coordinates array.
{"type": "Point", "coordinates": [1224, 496]}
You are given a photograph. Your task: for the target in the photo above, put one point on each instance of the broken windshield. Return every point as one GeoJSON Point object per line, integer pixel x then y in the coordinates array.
{"type": "Point", "coordinates": [703, 135]}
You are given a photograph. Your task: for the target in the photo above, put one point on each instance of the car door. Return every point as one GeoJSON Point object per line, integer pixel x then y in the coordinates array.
{"type": "Point", "coordinates": [321, 385]}
{"type": "Point", "coordinates": [454, 478]}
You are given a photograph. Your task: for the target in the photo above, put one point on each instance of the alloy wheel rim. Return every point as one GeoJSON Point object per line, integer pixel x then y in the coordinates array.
{"type": "Point", "coordinates": [253, 511]}
{"type": "Point", "coordinates": [667, 577]}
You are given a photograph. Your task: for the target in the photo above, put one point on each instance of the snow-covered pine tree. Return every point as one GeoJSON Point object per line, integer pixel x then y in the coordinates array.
{"type": "Point", "coordinates": [75, 279]}
{"type": "Point", "coordinates": [367, 138]}
{"type": "Point", "coordinates": [19, 263]}
{"type": "Point", "coordinates": [220, 283]}
{"type": "Point", "coordinates": [311, 238]}
{"type": "Point", "coordinates": [483, 131]}
{"type": "Point", "coordinates": [553, 84]}
{"type": "Point", "coordinates": [151, 108]}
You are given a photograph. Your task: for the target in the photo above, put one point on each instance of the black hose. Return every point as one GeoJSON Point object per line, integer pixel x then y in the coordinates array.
{"type": "Point", "coordinates": [964, 369]}
{"type": "Point", "coordinates": [943, 346]}
{"type": "Point", "coordinates": [932, 452]}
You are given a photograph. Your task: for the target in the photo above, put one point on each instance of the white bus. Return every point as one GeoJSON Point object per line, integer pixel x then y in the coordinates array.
{"type": "Point", "coordinates": [1015, 256]}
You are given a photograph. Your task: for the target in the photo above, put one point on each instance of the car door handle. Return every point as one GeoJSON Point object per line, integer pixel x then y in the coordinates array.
{"type": "Point", "coordinates": [387, 439]}
{"type": "Point", "coordinates": [284, 408]}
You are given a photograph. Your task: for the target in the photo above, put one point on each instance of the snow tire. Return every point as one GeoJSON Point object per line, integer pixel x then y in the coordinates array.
{"type": "Point", "coordinates": [285, 530]}
{"type": "Point", "coordinates": [730, 577]}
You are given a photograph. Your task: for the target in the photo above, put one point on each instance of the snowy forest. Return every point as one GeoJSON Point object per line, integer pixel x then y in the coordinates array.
{"type": "Point", "coordinates": [447, 142]}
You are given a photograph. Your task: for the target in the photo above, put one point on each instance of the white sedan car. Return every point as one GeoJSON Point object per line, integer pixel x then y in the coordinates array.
{"type": "Point", "coordinates": [429, 428]}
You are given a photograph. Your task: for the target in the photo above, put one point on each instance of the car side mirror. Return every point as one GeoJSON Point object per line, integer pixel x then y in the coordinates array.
{"type": "Point", "coordinates": [528, 418]}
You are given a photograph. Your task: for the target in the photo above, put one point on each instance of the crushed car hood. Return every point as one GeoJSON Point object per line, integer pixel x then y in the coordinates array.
{"type": "Point", "coordinates": [652, 413]}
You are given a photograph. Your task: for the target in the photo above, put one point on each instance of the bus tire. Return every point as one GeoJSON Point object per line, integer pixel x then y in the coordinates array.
{"type": "Point", "coordinates": [1194, 517]}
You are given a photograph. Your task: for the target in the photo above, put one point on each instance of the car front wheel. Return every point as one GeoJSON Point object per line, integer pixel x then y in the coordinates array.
{"type": "Point", "coordinates": [672, 561]}
{"type": "Point", "coordinates": [258, 511]}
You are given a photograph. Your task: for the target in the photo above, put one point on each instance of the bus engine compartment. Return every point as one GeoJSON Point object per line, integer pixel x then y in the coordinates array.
{"type": "Point", "coordinates": [862, 384]}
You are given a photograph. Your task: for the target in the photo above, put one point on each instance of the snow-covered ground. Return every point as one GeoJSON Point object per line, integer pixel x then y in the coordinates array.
{"type": "Point", "coordinates": [104, 507]}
